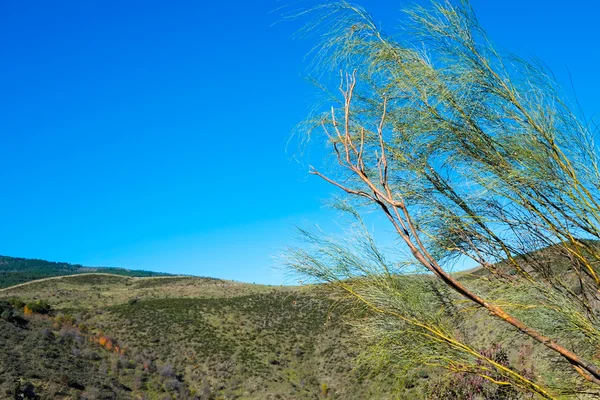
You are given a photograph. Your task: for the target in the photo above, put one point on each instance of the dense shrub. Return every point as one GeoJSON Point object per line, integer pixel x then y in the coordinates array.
{"type": "Point", "coordinates": [167, 371]}
{"type": "Point", "coordinates": [472, 386]}
{"type": "Point", "coordinates": [9, 314]}
{"type": "Point", "coordinates": [6, 311]}
{"type": "Point", "coordinates": [25, 391]}
{"type": "Point", "coordinates": [171, 385]}
{"type": "Point", "coordinates": [37, 307]}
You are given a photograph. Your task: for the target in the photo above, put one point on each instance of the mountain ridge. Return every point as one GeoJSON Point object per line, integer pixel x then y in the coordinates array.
{"type": "Point", "coordinates": [18, 270]}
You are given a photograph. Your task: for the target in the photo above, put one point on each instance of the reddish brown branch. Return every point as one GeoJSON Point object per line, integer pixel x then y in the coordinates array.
{"type": "Point", "coordinates": [398, 214]}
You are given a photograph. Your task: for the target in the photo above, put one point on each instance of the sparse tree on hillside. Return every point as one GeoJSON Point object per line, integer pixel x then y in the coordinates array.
{"type": "Point", "coordinates": [469, 153]}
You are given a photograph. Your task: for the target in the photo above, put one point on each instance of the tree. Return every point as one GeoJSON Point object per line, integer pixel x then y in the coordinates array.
{"type": "Point", "coordinates": [469, 153]}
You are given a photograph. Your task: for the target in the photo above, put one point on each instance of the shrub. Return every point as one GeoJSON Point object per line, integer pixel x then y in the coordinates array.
{"type": "Point", "coordinates": [46, 333]}
{"type": "Point", "coordinates": [149, 366]}
{"type": "Point", "coordinates": [5, 305]}
{"type": "Point", "coordinates": [171, 385]}
{"type": "Point", "coordinates": [7, 314]}
{"type": "Point", "coordinates": [106, 342]}
{"type": "Point", "coordinates": [469, 153]}
{"type": "Point", "coordinates": [37, 307]}
{"type": "Point", "coordinates": [15, 302]}
{"type": "Point", "coordinates": [25, 391]}
{"type": "Point", "coordinates": [139, 380]}
{"type": "Point", "coordinates": [469, 386]}
{"type": "Point", "coordinates": [65, 319]}
{"type": "Point", "coordinates": [324, 390]}
{"type": "Point", "coordinates": [167, 371]}
{"type": "Point", "coordinates": [70, 334]}
{"type": "Point", "coordinates": [90, 354]}
{"type": "Point", "coordinates": [115, 365]}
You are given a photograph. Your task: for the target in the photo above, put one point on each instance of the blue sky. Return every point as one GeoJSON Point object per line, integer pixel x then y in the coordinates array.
{"type": "Point", "coordinates": [152, 134]}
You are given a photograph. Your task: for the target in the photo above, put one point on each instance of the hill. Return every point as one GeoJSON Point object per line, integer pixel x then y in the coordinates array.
{"type": "Point", "coordinates": [120, 337]}
{"type": "Point", "coordinates": [14, 271]}
{"type": "Point", "coordinates": [96, 335]}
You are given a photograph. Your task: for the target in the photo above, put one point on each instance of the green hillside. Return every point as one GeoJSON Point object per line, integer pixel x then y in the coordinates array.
{"type": "Point", "coordinates": [103, 336]}
{"type": "Point", "coordinates": [216, 339]}
{"type": "Point", "coordinates": [14, 271]}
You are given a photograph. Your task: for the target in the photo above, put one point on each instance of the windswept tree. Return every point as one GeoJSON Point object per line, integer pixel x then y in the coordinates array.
{"type": "Point", "coordinates": [469, 153]}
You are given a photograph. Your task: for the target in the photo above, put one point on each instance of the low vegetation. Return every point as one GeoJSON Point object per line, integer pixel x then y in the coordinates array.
{"type": "Point", "coordinates": [159, 338]}
{"type": "Point", "coordinates": [115, 337]}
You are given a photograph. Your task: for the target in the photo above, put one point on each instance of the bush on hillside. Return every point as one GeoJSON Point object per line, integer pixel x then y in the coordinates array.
{"type": "Point", "coordinates": [464, 385]}
{"type": "Point", "coordinates": [37, 307]}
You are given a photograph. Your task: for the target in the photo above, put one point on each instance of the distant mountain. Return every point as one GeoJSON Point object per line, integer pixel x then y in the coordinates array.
{"type": "Point", "coordinates": [14, 271]}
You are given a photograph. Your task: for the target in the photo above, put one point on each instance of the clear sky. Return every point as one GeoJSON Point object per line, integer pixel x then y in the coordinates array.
{"type": "Point", "coordinates": [152, 134]}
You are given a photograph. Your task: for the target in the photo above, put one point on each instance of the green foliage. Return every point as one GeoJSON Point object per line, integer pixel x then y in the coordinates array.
{"type": "Point", "coordinates": [471, 154]}
{"type": "Point", "coordinates": [7, 311]}
{"type": "Point", "coordinates": [224, 339]}
{"type": "Point", "coordinates": [409, 320]}
{"type": "Point", "coordinates": [239, 340]}
{"type": "Point", "coordinates": [38, 307]}
{"type": "Point", "coordinates": [16, 302]}
{"type": "Point", "coordinates": [464, 385]}
{"type": "Point", "coordinates": [47, 362]}
{"type": "Point", "coordinates": [246, 341]}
